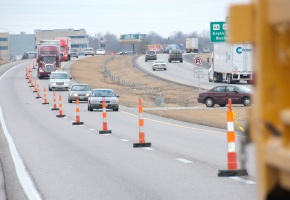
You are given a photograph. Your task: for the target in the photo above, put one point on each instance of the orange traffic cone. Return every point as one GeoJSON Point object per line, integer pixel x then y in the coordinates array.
{"type": "Point", "coordinates": [44, 97]}
{"type": "Point", "coordinates": [35, 87]}
{"type": "Point", "coordinates": [105, 125]}
{"type": "Point", "coordinates": [29, 78]}
{"type": "Point", "coordinates": [54, 102]}
{"type": "Point", "coordinates": [78, 118]}
{"type": "Point", "coordinates": [142, 142]}
{"type": "Point", "coordinates": [32, 83]}
{"type": "Point", "coordinates": [232, 155]}
{"type": "Point", "coordinates": [37, 95]}
{"type": "Point", "coordinates": [60, 108]}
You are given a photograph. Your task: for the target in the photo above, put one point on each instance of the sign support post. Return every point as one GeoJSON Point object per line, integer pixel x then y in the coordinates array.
{"type": "Point", "coordinates": [198, 71]}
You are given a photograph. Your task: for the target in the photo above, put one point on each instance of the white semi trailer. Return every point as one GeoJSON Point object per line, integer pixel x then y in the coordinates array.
{"type": "Point", "coordinates": [232, 63]}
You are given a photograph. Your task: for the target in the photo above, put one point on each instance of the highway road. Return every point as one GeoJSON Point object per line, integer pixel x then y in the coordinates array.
{"type": "Point", "coordinates": [182, 72]}
{"type": "Point", "coordinates": [58, 160]}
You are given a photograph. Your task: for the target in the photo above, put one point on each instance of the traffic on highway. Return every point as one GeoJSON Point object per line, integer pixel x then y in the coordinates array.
{"type": "Point", "coordinates": [59, 160]}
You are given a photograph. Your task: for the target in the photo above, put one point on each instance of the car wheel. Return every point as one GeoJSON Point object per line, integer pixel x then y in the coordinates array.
{"type": "Point", "coordinates": [164, 68]}
{"type": "Point", "coordinates": [222, 105]}
{"type": "Point", "coordinates": [49, 88]}
{"type": "Point", "coordinates": [145, 60]}
{"type": "Point", "coordinates": [246, 101]}
{"type": "Point", "coordinates": [77, 57]}
{"type": "Point", "coordinates": [116, 109]}
{"type": "Point", "coordinates": [90, 107]}
{"type": "Point", "coordinates": [181, 60]}
{"type": "Point", "coordinates": [153, 69]}
{"type": "Point", "coordinates": [229, 79]}
{"type": "Point", "coordinates": [209, 102]}
{"type": "Point", "coordinates": [69, 100]}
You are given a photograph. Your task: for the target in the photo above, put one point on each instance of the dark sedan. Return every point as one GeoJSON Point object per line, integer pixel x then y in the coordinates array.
{"type": "Point", "coordinates": [221, 94]}
{"type": "Point", "coordinates": [150, 55]}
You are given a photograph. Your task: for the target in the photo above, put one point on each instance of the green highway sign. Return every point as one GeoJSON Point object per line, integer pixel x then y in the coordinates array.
{"type": "Point", "coordinates": [131, 38]}
{"type": "Point", "coordinates": [218, 31]}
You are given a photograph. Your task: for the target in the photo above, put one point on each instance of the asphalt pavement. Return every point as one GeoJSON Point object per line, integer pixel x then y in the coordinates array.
{"type": "Point", "coordinates": [10, 187]}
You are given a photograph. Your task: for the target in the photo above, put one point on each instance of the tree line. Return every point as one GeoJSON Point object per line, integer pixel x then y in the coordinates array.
{"type": "Point", "coordinates": [111, 42]}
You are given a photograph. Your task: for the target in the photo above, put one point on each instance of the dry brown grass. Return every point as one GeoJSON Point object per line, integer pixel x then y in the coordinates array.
{"type": "Point", "coordinates": [91, 70]}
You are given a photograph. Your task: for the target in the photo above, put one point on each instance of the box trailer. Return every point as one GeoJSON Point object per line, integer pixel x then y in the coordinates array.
{"type": "Point", "coordinates": [232, 63]}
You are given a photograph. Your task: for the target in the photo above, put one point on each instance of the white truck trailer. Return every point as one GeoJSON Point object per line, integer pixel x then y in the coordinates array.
{"type": "Point", "coordinates": [191, 45]}
{"type": "Point", "coordinates": [232, 63]}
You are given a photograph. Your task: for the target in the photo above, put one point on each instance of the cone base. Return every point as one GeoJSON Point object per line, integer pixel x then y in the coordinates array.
{"type": "Point", "coordinates": [148, 144]}
{"type": "Point", "coordinates": [78, 123]}
{"type": "Point", "coordinates": [227, 173]}
{"type": "Point", "coordinates": [45, 103]}
{"type": "Point", "coordinates": [104, 132]}
{"type": "Point", "coordinates": [54, 108]}
{"type": "Point", "coordinates": [34, 91]}
{"type": "Point", "coordinates": [60, 115]}
{"type": "Point", "coordinates": [37, 97]}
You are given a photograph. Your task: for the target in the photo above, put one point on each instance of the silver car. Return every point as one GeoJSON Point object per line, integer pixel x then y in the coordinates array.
{"type": "Point", "coordinates": [159, 64]}
{"type": "Point", "coordinates": [80, 91]}
{"type": "Point", "coordinates": [59, 80]}
{"type": "Point", "coordinates": [89, 51]}
{"type": "Point", "coordinates": [74, 53]}
{"type": "Point", "coordinates": [96, 99]}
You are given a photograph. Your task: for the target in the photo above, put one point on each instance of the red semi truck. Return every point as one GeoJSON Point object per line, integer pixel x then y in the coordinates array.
{"type": "Point", "coordinates": [64, 48]}
{"type": "Point", "coordinates": [48, 57]}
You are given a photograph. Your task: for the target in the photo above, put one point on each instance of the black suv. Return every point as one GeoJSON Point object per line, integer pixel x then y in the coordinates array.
{"type": "Point", "coordinates": [150, 55]}
{"type": "Point", "coordinates": [175, 54]}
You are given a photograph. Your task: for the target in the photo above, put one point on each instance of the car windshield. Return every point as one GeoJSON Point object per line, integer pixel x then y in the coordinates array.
{"type": "Point", "coordinates": [89, 49]}
{"type": "Point", "coordinates": [103, 93]}
{"type": "Point", "coordinates": [151, 52]}
{"type": "Point", "coordinates": [175, 51]}
{"type": "Point", "coordinates": [59, 76]}
{"type": "Point", "coordinates": [244, 89]}
{"type": "Point", "coordinates": [80, 88]}
{"type": "Point", "coordinates": [48, 59]}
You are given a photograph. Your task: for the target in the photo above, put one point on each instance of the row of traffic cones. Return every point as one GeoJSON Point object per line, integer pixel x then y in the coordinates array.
{"type": "Point", "coordinates": [60, 114]}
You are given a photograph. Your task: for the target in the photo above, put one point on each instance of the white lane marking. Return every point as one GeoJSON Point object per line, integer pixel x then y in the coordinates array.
{"type": "Point", "coordinates": [124, 140]}
{"type": "Point", "coordinates": [237, 178]}
{"type": "Point", "coordinates": [22, 174]}
{"type": "Point", "coordinates": [183, 160]}
{"type": "Point", "coordinates": [180, 126]}
{"type": "Point", "coordinates": [148, 148]}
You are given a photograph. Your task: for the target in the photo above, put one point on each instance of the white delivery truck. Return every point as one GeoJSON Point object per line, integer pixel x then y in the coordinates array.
{"type": "Point", "coordinates": [232, 63]}
{"type": "Point", "coordinates": [191, 45]}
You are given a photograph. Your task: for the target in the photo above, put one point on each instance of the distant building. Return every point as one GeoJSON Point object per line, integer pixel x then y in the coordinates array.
{"type": "Point", "coordinates": [4, 46]}
{"type": "Point", "coordinates": [79, 37]}
{"type": "Point", "coordinates": [21, 43]}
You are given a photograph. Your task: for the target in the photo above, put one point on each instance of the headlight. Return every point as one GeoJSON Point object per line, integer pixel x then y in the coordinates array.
{"type": "Point", "coordinates": [87, 95]}
{"type": "Point", "coordinates": [75, 94]}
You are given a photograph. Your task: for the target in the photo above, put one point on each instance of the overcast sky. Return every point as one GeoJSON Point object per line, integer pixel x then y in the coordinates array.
{"type": "Point", "coordinates": [117, 17]}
